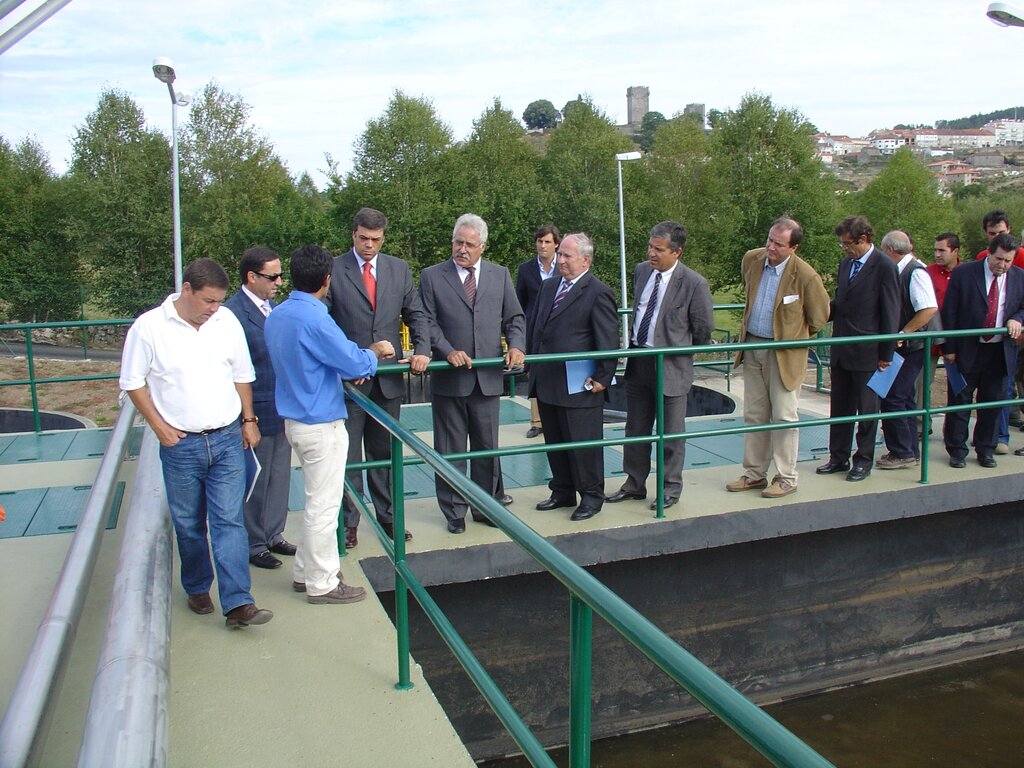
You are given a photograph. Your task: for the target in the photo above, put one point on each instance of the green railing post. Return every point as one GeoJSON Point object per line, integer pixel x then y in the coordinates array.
{"type": "Point", "coordinates": [581, 620]}
{"type": "Point", "coordinates": [401, 587]}
{"type": "Point", "coordinates": [659, 454]}
{"type": "Point", "coordinates": [926, 419]}
{"type": "Point", "coordinates": [36, 421]}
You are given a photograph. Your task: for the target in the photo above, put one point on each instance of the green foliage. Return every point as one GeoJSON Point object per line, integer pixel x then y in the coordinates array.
{"type": "Point", "coordinates": [580, 172]}
{"type": "Point", "coordinates": [39, 275]}
{"type": "Point", "coordinates": [906, 196]}
{"type": "Point", "coordinates": [970, 210]}
{"type": "Point", "coordinates": [500, 172]}
{"type": "Point", "coordinates": [648, 125]}
{"type": "Point", "coordinates": [767, 155]}
{"type": "Point", "coordinates": [403, 167]}
{"type": "Point", "coordinates": [120, 192]}
{"type": "Point", "coordinates": [541, 114]}
{"type": "Point", "coordinates": [978, 120]}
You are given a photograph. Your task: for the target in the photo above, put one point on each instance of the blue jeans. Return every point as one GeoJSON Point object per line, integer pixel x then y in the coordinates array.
{"type": "Point", "coordinates": [205, 480]}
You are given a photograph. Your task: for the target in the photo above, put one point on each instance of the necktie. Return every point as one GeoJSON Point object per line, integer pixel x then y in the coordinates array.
{"type": "Point", "coordinates": [648, 318]}
{"type": "Point", "coordinates": [993, 307]}
{"type": "Point", "coordinates": [854, 270]}
{"type": "Point", "coordinates": [370, 283]}
{"type": "Point", "coordinates": [562, 290]}
{"type": "Point", "coordinates": [265, 307]}
{"type": "Point", "coordinates": [470, 285]}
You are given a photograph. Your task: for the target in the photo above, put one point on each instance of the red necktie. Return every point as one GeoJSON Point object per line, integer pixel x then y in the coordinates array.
{"type": "Point", "coordinates": [993, 307]}
{"type": "Point", "coordinates": [371, 284]}
{"type": "Point", "coordinates": [470, 285]}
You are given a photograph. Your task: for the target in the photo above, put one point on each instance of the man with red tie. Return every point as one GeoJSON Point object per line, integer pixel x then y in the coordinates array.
{"type": "Point", "coordinates": [983, 294]}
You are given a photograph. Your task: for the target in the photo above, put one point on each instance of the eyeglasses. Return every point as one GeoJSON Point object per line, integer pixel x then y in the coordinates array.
{"type": "Point", "coordinates": [466, 244]}
{"type": "Point", "coordinates": [271, 278]}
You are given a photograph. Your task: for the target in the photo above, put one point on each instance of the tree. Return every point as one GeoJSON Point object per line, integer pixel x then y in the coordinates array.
{"type": "Point", "coordinates": [236, 192]}
{"type": "Point", "coordinates": [648, 125]}
{"type": "Point", "coordinates": [906, 196]}
{"type": "Point", "coordinates": [39, 275]}
{"type": "Point", "coordinates": [581, 176]}
{"type": "Point", "coordinates": [121, 215]}
{"type": "Point", "coordinates": [502, 183]}
{"type": "Point", "coordinates": [767, 154]}
{"type": "Point", "coordinates": [403, 166]}
{"type": "Point", "coordinates": [541, 114]}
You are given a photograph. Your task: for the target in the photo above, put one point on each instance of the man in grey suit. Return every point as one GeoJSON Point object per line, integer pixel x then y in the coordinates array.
{"type": "Point", "coordinates": [470, 303]}
{"type": "Point", "coordinates": [672, 308]}
{"type": "Point", "coordinates": [266, 510]}
{"type": "Point", "coordinates": [573, 314]}
{"type": "Point", "coordinates": [370, 294]}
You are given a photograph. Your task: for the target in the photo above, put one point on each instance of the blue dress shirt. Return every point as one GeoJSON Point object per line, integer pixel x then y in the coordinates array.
{"type": "Point", "coordinates": [311, 355]}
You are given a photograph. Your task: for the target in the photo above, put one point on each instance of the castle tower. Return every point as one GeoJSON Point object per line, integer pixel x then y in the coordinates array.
{"type": "Point", "coordinates": [638, 100]}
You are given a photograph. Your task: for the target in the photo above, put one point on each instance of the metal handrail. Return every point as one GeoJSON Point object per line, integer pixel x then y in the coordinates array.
{"type": "Point", "coordinates": [24, 727]}
{"type": "Point", "coordinates": [755, 726]}
{"type": "Point", "coordinates": [126, 723]}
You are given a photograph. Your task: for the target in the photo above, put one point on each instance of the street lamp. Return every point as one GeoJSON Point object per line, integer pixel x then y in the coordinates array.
{"type": "Point", "coordinates": [163, 70]}
{"type": "Point", "coordinates": [621, 158]}
{"type": "Point", "coordinates": [1005, 15]}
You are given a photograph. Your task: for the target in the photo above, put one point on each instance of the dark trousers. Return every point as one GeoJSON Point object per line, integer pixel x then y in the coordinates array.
{"type": "Point", "coordinates": [580, 470]}
{"type": "Point", "coordinates": [365, 433]}
{"type": "Point", "coordinates": [457, 419]}
{"type": "Point", "coordinates": [851, 396]}
{"type": "Point", "coordinates": [987, 377]}
{"type": "Point", "coordinates": [901, 434]}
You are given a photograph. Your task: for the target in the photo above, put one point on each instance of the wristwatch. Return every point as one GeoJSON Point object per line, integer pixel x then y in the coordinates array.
{"type": "Point", "coordinates": [251, 420]}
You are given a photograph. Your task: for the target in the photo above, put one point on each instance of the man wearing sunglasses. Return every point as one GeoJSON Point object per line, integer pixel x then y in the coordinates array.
{"type": "Point", "coordinates": [266, 509]}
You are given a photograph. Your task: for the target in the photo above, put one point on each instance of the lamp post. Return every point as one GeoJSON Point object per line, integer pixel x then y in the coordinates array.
{"type": "Point", "coordinates": [621, 158]}
{"type": "Point", "coordinates": [1005, 15]}
{"type": "Point", "coordinates": [163, 70]}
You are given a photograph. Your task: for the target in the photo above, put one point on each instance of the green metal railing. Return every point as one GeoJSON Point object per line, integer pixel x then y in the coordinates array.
{"type": "Point", "coordinates": [32, 382]}
{"type": "Point", "coordinates": [587, 596]}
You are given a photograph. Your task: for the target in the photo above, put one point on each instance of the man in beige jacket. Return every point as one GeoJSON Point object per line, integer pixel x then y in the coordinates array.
{"type": "Point", "coordinates": [785, 300]}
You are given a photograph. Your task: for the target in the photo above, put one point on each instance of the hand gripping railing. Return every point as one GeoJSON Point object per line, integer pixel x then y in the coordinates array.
{"type": "Point", "coordinates": [588, 595]}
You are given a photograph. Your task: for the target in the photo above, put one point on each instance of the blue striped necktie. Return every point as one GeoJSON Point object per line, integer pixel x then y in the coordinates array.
{"type": "Point", "coordinates": [564, 289]}
{"type": "Point", "coordinates": [652, 305]}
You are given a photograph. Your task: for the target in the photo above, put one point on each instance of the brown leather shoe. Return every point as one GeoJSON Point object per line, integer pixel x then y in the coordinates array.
{"type": "Point", "coordinates": [298, 586]}
{"type": "Point", "coordinates": [201, 604]}
{"type": "Point", "coordinates": [389, 529]}
{"type": "Point", "coordinates": [341, 594]}
{"type": "Point", "coordinates": [351, 539]}
{"type": "Point", "coordinates": [744, 483]}
{"type": "Point", "coordinates": [244, 615]}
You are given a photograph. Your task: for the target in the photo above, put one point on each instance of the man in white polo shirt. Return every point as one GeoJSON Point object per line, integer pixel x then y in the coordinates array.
{"type": "Point", "coordinates": [187, 369]}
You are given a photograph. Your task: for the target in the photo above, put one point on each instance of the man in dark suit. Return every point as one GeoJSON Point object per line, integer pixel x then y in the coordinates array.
{"type": "Point", "coordinates": [866, 302]}
{"type": "Point", "coordinates": [573, 314]}
{"type": "Point", "coordinates": [672, 308]}
{"type": "Point", "coordinates": [370, 294]}
{"type": "Point", "coordinates": [982, 294]}
{"type": "Point", "coordinates": [266, 510]}
{"type": "Point", "coordinates": [470, 303]}
{"type": "Point", "coordinates": [529, 276]}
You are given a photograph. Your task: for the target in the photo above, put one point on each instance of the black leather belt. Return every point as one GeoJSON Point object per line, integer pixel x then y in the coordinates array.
{"type": "Point", "coordinates": [215, 429]}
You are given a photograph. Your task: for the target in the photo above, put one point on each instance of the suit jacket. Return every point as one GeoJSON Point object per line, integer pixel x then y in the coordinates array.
{"type": "Point", "coordinates": [868, 305]}
{"type": "Point", "coordinates": [528, 283]}
{"type": "Point", "coordinates": [252, 319]}
{"type": "Point", "coordinates": [586, 319]}
{"type": "Point", "coordinates": [455, 325]}
{"type": "Point", "coordinates": [798, 319]}
{"type": "Point", "coordinates": [397, 299]}
{"type": "Point", "coordinates": [965, 306]}
{"type": "Point", "coordinates": [685, 317]}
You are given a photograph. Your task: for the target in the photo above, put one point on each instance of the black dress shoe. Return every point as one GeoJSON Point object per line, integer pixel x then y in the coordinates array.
{"type": "Point", "coordinates": [265, 560]}
{"type": "Point", "coordinates": [505, 500]}
{"type": "Point", "coordinates": [987, 461]}
{"type": "Point", "coordinates": [284, 548]}
{"type": "Point", "coordinates": [857, 474]}
{"type": "Point", "coordinates": [457, 526]}
{"type": "Point", "coordinates": [351, 538]}
{"type": "Point", "coordinates": [533, 432]}
{"type": "Point", "coordinates": [389, 529]}
{"type": "Point", "coordinates": [583, 512]}
{"type": "Point", "coordinates": [956, 463]}
{"type": "Point", "coordinates": [484, 520]}
{"type": "Point", "coordinates": [831, 467]}
{"type": "Point", "coordinates": [668, 503]}
{"type": "Point", "coordinates": [621, 495]}
{"type": "Point", "coordinates": [553, 503]}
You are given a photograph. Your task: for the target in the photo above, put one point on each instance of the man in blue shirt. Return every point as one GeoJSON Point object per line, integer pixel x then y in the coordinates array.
{"type": "Point", "coordinates": [311, 355]}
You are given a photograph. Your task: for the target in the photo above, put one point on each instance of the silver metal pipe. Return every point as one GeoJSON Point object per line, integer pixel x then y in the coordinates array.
{"type": "Point", "coordinates": [6, 6]}
{"type": "Point", "coordinates": [24, 727]}
{"type": "Point", "coordinates": [27, 25]}
{"type": "Point", "coordinates": [126, 724]}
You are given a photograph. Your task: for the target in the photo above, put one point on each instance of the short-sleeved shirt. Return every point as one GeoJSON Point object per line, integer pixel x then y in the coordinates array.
{"type": "Point", "coordinates": [191, 373]}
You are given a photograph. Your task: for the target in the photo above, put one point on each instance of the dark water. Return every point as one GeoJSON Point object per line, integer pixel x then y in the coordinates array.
{"type": "Point", "coordinates": [966, 716]}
